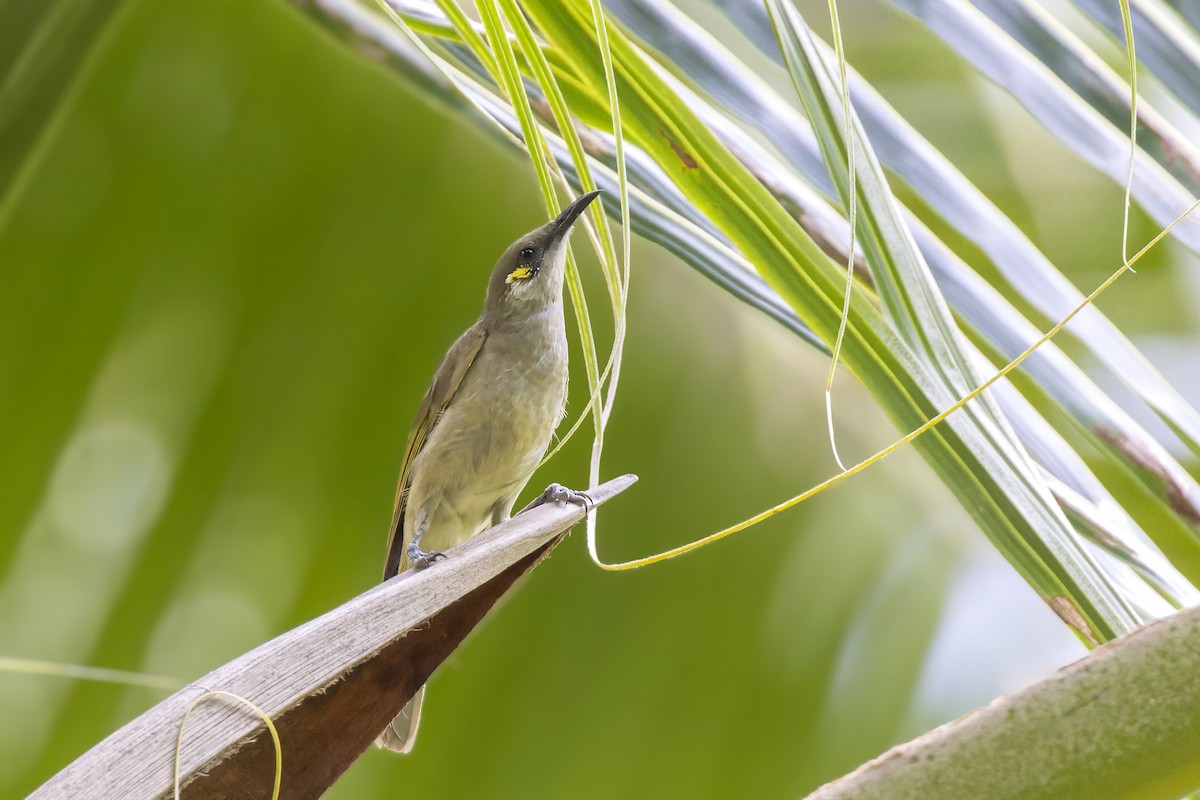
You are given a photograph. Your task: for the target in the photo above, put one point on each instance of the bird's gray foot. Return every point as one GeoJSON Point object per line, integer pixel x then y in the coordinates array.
{"type": "Point", "coordinates": [556, 493]}
{"type": "Point", "coordinates": [419, 558]}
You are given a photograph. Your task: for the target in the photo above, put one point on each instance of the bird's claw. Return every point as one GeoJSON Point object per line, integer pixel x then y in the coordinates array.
{"type": "Point", "coordinates": [556, 493]}
{"type": "Point", "coordinates": [420, 559]}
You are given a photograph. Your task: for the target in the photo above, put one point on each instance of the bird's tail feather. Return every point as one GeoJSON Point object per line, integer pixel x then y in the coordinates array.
{"type": "Point", "coordinates": [401, 733]}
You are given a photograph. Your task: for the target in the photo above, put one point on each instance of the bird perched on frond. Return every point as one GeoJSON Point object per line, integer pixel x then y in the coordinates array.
{"type": "Point", "coordinates": [486, 420]}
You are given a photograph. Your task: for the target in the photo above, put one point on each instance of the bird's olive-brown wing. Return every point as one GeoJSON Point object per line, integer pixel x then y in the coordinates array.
{"type": "Point", "coordinates": [445, 385]}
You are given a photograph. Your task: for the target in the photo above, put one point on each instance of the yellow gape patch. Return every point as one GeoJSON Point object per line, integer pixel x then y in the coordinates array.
{"type": "Point", "coordinates": [520, 274]}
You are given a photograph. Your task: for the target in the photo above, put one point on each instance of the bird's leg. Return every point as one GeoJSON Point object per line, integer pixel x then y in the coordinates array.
{"type": "Point", "coordinates": [556, 493]}
{"type": "Point", "coordinates": [416, 556]}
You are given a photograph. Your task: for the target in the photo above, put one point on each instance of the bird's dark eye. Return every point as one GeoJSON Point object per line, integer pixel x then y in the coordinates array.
{"type": "Point", "coordinates": [527, 254]}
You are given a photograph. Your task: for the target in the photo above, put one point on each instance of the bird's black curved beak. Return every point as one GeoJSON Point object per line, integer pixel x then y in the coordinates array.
{"type": "Point", "coordinates": [564, 221]}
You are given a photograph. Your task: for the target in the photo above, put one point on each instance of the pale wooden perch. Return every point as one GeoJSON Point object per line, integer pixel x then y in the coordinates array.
{"type": "Point", "coordinates": [330, 685]}
{"type": "Point", "coordinates": [1122, 722]}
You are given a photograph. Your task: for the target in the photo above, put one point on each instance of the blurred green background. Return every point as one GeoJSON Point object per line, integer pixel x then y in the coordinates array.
{"type": "Point", "coordinates": [224, 289]}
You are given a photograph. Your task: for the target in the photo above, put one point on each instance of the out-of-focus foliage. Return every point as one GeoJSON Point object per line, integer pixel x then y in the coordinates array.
{"type": "Point", "coordinates": [222, 292]}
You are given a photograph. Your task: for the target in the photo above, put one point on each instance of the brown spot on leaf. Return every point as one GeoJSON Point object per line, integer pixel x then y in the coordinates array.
{"type": "Point", "coordinates": [1069, 613]}
{"type": "Point", "coordinates": [684, 155]}
{"type": "Point", "coordinates": [1177, 495]}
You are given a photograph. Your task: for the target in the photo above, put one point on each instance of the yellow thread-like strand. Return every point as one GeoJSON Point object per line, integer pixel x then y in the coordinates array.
{"type": "Point", "coordinates": [262, 715]}
{"type": "Point", "coordinates": [859, 467]}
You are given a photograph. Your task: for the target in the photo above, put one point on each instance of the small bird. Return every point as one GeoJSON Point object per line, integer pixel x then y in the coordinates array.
{"type": "Point", "coordinates": [486, 419]}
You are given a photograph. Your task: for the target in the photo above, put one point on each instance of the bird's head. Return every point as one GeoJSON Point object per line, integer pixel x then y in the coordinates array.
{"type": "Point", "coordinates": [529, 276]}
